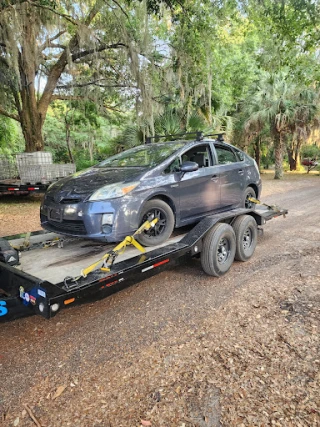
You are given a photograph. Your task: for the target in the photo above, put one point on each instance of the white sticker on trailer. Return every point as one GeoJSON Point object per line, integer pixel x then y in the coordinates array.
{"type": "Point", "coordinates": [147, 268]}
{"type": "Point", "coordinates": [41, 293]}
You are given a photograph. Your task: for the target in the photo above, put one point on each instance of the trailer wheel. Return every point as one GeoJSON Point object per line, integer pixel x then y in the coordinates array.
{"type": "Point", "coordinates": [219, 247]}
{"type": "Point", "coordinates": [246, 231]}
{"type": "Point", "coordinates": [156, 208]}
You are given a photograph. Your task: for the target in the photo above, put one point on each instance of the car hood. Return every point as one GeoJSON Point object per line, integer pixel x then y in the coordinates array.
{"type": "Point", "coordinates": [84, 183]}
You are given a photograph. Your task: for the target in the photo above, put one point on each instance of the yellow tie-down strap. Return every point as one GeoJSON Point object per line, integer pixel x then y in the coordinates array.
{"type": "Point", "coordinates": [108, 259]}
{"type": "Point", "coordinates": [270, 207]}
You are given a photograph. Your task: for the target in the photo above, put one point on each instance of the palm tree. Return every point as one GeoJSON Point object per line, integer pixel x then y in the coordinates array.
{"type": "Point", "coordinates": [306, 117]}
{"type": "Point", "coordinates": [272, 102]}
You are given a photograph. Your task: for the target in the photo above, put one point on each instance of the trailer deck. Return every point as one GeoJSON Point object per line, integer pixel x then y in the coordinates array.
{"type": "Point", "coordinates": [54, 264]}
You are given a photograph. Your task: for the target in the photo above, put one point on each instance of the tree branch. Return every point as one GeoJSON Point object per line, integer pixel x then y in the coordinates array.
{"type": "Point", "coordinates": [56, 46]}
{"type": "Point", "coordinates": [122, 10]}
{"type": "Point", "coordinates": [68, 98]}
{"type": "Point", "coordinates": [82, 98]}
{"type": "Point", "coordinates": [57, 69]}
{"type": "Point", "coordinates": [50, 40]}
{"type": "Point", "coordinates": [3, 112]}
{"type": "Point", "coordinates": [63, 15]}
{"type": "Point", "coordinates": [101, 48]}
{"type": "Point", "coordinates": [94, 82]}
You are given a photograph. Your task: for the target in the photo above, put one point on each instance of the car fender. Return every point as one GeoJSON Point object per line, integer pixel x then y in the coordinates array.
{"type": "Point", "coordinates": [163, 194]}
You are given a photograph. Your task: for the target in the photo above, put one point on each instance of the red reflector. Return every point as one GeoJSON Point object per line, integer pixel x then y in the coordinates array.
{"type": "Point", "coordinates": [31, 188]}
{"type": "Point", "coordinates": [161, 262]}
{"type": "Point", "coordinates": [12, 189]}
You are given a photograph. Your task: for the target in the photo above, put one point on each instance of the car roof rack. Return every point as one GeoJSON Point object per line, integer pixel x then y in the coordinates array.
{"type": "Point", "coordinates": [198, 134]}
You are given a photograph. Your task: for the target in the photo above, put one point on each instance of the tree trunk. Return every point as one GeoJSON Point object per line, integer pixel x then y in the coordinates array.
{"type": "Point", "coordinates": [278, 155]}
{"type": "Point", "coordinates": [31, 119]}
{"type": "Point", "coordinates": [257, 151]}
{"type": "Point", "coordinates": [68, 141]}
{"type": "Point", "coordinates": [291, 159]}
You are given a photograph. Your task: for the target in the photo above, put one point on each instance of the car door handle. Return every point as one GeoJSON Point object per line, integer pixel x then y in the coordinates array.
{"type": "Point", "coordinates": [214, 178]}
{"type": "Point", "coordinates": [240, 171]}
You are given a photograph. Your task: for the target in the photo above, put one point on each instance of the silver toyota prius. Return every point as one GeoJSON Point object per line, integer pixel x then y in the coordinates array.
{"type": "Point", "coordinates": [177, 182]}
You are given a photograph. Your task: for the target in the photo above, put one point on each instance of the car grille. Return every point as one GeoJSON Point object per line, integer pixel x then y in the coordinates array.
{"type": "Point", "coordinates": [70, 201]}
{"type": "Point", "coordinates": [66, 201]}
{"type": "Point", "coordinates": [66, 226]}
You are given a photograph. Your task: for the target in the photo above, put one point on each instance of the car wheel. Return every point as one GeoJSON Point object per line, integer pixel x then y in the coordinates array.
{"type": "Point", "coordinates": [218, 250]}
{"type": "Point", "coordinates": [245, 228]}
{"type": "Point", "coordinates": [247, 195]}
{"type": "Point", "coordinates": [163, 229]}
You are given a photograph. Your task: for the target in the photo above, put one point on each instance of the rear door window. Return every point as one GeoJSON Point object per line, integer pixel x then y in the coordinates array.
{"type": "Point", "coordinates": [225, 155]}
{"type": "Point", "coordinates": [240, 154]}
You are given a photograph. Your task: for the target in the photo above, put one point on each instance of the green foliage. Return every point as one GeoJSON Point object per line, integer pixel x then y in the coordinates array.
{"type": "Point", "coordinates": [11, 140]}
{"type": "Point", "coordinates": [310, 151]}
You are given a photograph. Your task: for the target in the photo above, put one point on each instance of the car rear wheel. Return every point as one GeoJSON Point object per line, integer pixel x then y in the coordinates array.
{"type": "Point", "coordinates": [247, 195]}
{"type": "Point", "coordinates": [163, 229]}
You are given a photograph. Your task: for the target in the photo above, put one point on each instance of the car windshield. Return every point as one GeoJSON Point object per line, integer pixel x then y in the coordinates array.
{"type": "Point", "coordinates": [142, 156]}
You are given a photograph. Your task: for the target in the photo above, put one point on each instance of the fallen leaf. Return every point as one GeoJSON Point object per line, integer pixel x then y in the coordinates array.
{"type": "Point", "coordinates": [59, 391]}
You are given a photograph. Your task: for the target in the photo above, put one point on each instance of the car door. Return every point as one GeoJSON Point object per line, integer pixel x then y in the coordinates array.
{"type": "Point", "coordinates": [198, 192]}
{"type": "Point", "coordinates": [232, 176]}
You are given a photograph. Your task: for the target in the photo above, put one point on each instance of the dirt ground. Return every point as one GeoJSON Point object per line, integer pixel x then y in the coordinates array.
{"type": "Point", "coordinates": [180, 349]}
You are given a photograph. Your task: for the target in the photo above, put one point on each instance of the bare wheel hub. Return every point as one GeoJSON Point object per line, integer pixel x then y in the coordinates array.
{"type": "Point", "coordinates": [247, 239]}
{"type": "Point", "coordinates": [223, 251]}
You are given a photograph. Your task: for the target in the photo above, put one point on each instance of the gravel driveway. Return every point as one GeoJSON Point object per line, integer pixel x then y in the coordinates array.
{"type": "Point", "coordinates": [184, 349]}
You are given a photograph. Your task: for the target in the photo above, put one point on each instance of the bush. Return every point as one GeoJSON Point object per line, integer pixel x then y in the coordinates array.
{"type": "Point", "coordinates": [310, 151]}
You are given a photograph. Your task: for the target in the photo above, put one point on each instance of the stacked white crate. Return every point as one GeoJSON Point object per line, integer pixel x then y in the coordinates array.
{"type": "Point", "coordinates": [8, 168]}
{"type": "Point", "coordinates": [36, 168]}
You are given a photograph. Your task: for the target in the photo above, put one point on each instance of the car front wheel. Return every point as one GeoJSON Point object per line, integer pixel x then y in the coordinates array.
{"type": "Point", "coordinates": [163, 228]}
{"type": "Point", "coordinates": [249, 193]}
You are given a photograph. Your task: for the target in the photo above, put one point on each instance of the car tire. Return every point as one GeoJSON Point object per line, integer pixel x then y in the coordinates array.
{"type": "Point", "coordinates": [218, 250]}
{"type": "Point", "coordinates": [247, 194]}
{"type": "Point", "coordinates": [246, 231]}
{"type": "Point", "coordinates": [163, 229]}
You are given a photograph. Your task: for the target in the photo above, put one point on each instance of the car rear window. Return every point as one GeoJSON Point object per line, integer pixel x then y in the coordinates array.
{"type": "Point", "coordinates": [142, 156]}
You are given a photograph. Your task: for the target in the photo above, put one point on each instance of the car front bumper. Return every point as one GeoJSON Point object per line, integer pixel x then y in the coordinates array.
{"type": "Point", "coordinates": [85, 219]}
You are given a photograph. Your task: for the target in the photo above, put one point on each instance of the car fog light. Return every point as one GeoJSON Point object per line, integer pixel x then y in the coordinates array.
{"type": "Point", "coordinates": [80, 213]}
{"type": "Point", "coordinates": [55, 307]}
{"type": "Point", "coordinates": [106, 229]}
{"type": "Point", "coordinates": [107, 219]}
{"type": "Point", "coordinates": [69, 210]}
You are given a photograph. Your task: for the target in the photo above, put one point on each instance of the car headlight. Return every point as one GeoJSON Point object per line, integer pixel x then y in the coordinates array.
{"type": "Point", "coordinates": [113, 191]}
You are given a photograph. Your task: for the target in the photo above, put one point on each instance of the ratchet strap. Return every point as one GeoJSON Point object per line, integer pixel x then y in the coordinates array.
{"type": "Point", "coordinates": [270, 207]}
{"type": "Point", "coordinates": [108, 259]}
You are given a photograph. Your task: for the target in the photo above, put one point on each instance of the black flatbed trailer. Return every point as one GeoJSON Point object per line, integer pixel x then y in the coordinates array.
{"type": "Point", "coordinates": [218, 239]}
{"type": "Point", "coordinates": [15, 187]}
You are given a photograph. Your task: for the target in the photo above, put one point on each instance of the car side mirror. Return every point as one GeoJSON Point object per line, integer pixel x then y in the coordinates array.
{"type": "Point", "coordinates": [189, 167]}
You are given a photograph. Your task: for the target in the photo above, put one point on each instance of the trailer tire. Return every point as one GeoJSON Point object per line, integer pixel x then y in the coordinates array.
{"type": "Point", "coordinates": [247, 194]}
{"type": "Point", "coordinates": [156, 208]}
{"type": "Point", "coordinates": [218, 250]}
{"type": "Point", "coordinates": [246, 231]}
